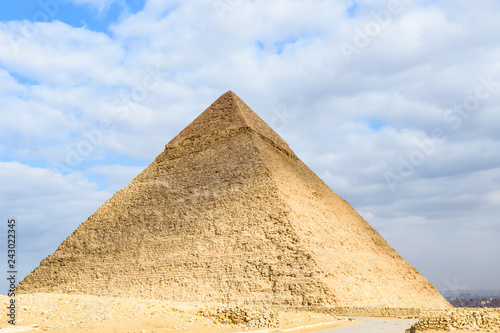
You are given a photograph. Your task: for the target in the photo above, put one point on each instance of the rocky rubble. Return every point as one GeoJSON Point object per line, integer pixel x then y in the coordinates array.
{"type": "Point", "coordinates": [243, 315]}
{"type": "Point", "coordinates": [402, 313]}
{"type": "Point", "coordinates": [485, 320]}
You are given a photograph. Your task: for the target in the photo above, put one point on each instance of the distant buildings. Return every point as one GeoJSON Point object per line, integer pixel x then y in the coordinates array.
{"type": "Point", "coordinates": [473, 298]}
{"type": "Point", "coordinates": [475, 302]}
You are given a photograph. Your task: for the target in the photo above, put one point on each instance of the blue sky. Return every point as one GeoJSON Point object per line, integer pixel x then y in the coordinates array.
{"type": "Point", "coordinates": [394, 107]}
{"type": "Point", "coordinates": [96, 16]}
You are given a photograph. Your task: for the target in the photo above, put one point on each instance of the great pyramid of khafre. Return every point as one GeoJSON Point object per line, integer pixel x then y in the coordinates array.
{"type": "Point", "coordinates": [228, 213]}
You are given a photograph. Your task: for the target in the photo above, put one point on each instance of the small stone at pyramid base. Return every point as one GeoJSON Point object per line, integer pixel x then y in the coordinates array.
{"type": "Point", "coordinates": [229, 214]}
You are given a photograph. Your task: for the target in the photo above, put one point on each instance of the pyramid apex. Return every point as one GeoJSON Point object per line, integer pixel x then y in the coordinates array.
{"type": "Point", "coordinates": [228, 112]}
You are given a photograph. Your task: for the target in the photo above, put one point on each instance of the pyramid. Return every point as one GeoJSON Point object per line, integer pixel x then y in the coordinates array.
{"type": "Point", "coordinates": [228, 213]}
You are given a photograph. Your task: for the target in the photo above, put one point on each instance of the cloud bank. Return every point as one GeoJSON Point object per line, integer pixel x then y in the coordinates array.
{"type": "Point", "coordinates": [394, 104]}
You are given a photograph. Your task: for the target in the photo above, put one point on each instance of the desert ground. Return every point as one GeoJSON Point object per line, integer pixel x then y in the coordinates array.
{"type": "Point", "coordinates": [68, 313]}
{"type": "Point", "coordinates": [60, 313]}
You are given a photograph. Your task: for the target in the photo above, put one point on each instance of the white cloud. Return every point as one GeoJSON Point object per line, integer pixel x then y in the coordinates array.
{"type": "Point", "coordinates": [352, 122]}
{"type": "Point", "coordinates": [47, 206]}
{"type": "Point", "coordinates": [100, 6]}
{"type": "Point", "coordinates": [58, 54]}
{"type": "Point", "coordinates": [115, 175]}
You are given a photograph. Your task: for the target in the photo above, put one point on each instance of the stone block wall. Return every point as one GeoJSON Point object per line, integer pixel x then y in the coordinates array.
{"type": "Point", "coordinates": [483, 320]}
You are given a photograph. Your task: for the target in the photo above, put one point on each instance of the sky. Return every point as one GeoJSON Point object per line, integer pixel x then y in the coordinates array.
{"type": "Point", "coordinates": [394, 104]}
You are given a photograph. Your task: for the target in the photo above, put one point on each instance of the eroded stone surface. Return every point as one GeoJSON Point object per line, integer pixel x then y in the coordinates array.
{"type": "Point", "coordinates": [462, 319]}
{"type": "Point", "coordinates": [229, 214]}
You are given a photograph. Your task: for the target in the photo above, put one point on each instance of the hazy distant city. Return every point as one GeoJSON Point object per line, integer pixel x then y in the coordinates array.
{"type": "Point", "coordinates": [473, 298]}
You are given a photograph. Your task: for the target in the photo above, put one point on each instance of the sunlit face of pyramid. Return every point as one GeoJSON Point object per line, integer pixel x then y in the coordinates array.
{"type": "Point", "coordinates": [228, 213]}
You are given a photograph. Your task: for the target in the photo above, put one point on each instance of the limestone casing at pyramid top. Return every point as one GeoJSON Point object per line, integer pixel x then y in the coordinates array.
{"type": "Point", "coordinates": [226, 113]}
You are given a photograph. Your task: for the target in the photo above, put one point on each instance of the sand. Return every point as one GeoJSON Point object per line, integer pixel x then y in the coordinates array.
{"type": "Point", "coordinates": [84, 313]}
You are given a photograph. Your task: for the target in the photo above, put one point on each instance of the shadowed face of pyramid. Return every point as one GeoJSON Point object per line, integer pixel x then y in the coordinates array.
{"type": "Point", "coordinates": [228, 213]}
